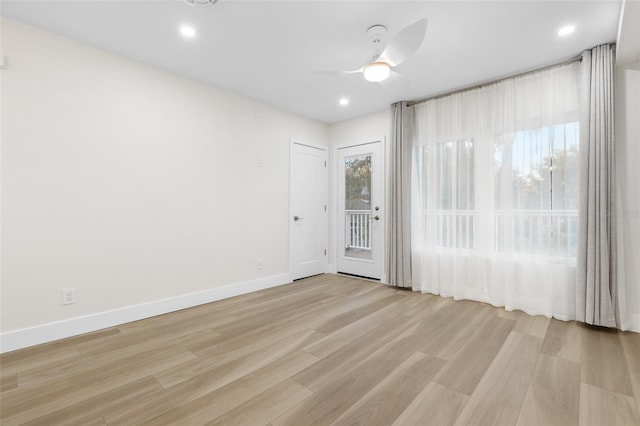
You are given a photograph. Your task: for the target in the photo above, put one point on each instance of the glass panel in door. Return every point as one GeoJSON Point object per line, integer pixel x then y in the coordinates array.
{"type": "Point", "coordinates": [358, 211]}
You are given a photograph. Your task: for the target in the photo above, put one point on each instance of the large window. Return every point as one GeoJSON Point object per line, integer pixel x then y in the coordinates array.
{"type": "Point", "coordinates": [498, 168]}
{"type": "Point", "coordinates": [495, 193]}
{"type": "Point", "coordinates": [535, 191]}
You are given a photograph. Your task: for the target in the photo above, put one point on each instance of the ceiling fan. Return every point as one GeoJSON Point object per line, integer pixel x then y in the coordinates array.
{"type": "Point", "coordinates": [200, 2]}
{"type": "Point", "coordinates": [398, 50]}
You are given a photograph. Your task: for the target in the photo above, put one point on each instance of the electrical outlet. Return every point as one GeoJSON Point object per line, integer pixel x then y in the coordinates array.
{"type": "Point", "coordinates": [68, 296]}
{"type": "Point", "coordinates": [260, 263]}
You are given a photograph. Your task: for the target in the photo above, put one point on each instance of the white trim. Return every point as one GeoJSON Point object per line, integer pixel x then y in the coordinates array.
{"type": "Point", "coordinates": [290, 209]}
{"type": "Point", "coordinates": [308, 144]}
{"type": "Point", "coordinates": [18, 339]}
{"type": "Point", "coordinates": [367, 141]}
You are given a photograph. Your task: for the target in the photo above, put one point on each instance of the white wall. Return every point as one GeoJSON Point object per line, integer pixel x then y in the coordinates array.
{"type": "Point", "coordinates": [352, 132]}
{"type": "Point", "coordinates": [362, 129]}
{"type": "Point", "coordinates": [628, 156]}
{"type": "Point", "coordinates": [132, 184]}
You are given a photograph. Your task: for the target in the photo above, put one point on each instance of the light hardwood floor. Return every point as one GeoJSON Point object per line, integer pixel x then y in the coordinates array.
{"type": "Point", "coordinates": [330, 350]}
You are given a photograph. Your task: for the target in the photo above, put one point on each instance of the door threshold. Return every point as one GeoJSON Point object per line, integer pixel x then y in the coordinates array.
{"type": "Point", "coordinates": [309, 276]}
{"type": "Point", "coordinates": [359, 276]}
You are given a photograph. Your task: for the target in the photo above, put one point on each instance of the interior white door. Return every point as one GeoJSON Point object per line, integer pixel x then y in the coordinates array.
{"type": "Point", "coordinates": [360, 210]}
{"type": "Point", "coordinates": [309, 223]}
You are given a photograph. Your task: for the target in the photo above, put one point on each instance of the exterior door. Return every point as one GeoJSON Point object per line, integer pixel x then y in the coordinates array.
{"type": "Point", "coordinates": [308, 218]}
{"type": "Point", "coordinates": [360, 210]}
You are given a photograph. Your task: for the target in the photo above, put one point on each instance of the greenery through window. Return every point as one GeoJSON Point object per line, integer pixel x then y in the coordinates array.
{"type": "Point", "coordinates": [536, 173]}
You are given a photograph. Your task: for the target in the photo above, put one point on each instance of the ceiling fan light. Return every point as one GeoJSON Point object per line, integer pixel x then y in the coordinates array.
{"type": "Point", "coordinates": [377, 71]}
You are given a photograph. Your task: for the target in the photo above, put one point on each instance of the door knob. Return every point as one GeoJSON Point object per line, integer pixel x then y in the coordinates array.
{"type": "Point", "coordinates": [376, 217]}
{"type": "Point", "coordinates": [297, 218]}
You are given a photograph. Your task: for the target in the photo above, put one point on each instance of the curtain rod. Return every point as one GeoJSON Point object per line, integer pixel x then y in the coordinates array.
{"type": "Point", "coordinates": [489, 83]}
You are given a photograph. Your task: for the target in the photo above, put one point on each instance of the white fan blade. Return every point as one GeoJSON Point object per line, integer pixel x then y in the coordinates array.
{"type": "Point", "coordinates": [395, 79]}
{"type": "Point", "coordinates": [404, 44]}
{"type": "Point", "coordinates": [337, 72]}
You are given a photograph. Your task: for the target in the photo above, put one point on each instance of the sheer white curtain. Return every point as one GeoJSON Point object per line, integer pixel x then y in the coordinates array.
{"type": "Point", "coordinates": [495, 194]}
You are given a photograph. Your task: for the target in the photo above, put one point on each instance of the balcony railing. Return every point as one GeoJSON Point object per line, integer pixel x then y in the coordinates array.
{"type": "Point", "coordinates": [547, 232]}
{"type": "Point", "coordinates": [553, 232]}
{"type": "Point", "coordinates": [358, 229]}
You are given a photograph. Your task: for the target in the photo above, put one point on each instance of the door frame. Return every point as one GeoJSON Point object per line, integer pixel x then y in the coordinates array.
{"type": "Point", "coordinates": [325, 221]}
{"type": "Point", "coordinates": [335, 201]}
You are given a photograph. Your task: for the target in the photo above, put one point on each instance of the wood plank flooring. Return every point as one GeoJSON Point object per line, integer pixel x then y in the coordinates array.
{"type": "Point", "coordinates": [329, 350]}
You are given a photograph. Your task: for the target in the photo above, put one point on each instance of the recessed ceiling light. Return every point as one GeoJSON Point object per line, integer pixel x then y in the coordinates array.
{"type": "Point", "coordinates": [343, 101]}
{"type": "Point", "coordinates": [565, 31]}
{"type": "Point", "coordinates": [187, 31]}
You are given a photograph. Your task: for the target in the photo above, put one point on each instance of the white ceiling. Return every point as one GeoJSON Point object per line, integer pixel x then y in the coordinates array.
{"type": "Point", "coordinates": [267, 50]}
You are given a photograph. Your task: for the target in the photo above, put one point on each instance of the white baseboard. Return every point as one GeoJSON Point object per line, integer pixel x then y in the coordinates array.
{"type": "Point", "coordinates": [18, 339]}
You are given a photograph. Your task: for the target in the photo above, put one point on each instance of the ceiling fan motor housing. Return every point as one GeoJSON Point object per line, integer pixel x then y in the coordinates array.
{"type": "Point", "coordinates": [377, 35]}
